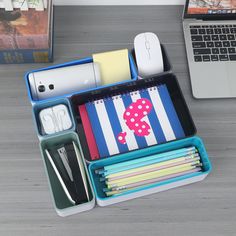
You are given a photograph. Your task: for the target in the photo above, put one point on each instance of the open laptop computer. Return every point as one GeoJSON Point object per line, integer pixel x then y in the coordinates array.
{"type": "Point", "coordinates": [210, 37]}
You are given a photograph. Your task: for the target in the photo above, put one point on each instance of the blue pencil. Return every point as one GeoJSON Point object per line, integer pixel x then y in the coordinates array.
{"type": "Point", "coordinates": [111, 169]}
{"type": "Point", "coordinates": [146, 163]}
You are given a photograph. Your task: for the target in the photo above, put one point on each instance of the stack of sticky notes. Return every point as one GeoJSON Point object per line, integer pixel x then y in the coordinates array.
{"type": "Point", "coordinates": [114, 66]}
{"type": "Point", "coordinates": [122, 177]}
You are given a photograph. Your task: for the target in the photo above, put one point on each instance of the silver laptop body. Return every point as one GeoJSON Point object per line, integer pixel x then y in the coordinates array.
{"type": "Point", "coordinates": [213, 74]}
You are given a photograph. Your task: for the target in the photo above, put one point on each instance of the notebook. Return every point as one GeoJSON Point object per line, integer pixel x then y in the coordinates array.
{"type": "Point", "coordinates": [130, 121]}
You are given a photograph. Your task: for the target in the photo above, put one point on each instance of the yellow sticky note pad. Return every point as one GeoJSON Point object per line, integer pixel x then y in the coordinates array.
{"type": "Point", "coordinates": [114, 66]}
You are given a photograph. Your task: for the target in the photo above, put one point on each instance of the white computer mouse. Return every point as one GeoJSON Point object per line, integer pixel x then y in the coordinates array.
{"type": "Point", "coordinates": [148, 54]}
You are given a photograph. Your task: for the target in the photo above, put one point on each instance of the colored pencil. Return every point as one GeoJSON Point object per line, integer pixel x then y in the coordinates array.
{"type": "Point", "coordinates": [144, 162]}
{"type": "Point", "coordinates": [154, 174]}
{"type": "Point", "coordinates": [125, 188]}
{"type": "Point", "coordinates": [149, 168]}
{"type": "Point", "coordinates": [161, 157]}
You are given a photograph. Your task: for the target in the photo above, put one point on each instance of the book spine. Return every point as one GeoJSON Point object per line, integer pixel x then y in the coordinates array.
{"type": "Point", "coordinates": [26, 56]}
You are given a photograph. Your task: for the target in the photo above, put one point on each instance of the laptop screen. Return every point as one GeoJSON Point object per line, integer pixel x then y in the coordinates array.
{"type": "Point", "coordinates": [210, 7]}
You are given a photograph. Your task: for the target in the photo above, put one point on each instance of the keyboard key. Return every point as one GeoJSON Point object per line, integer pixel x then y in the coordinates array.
{"type": "Point", "coordinates": [232, 57]}
{"type": "Point", "coordinates": [215, 51]}
{"type": "Point", "coordinates": [223, 37]}
{"type": "Point", "coordinates": [226, 44]}
{"type": "Point", "coordinates": [225, 31]}
{"type": "Point", "coordinates": [217, 31]}
{"type": "Point", "coordinates": [231, 50]}
{"type": "Point", "coordinates": [224, 57]}
{"type": "Point", "coordinates": [193, 31]}
{"type": "Point", "coordinates": [233, 30]}
{"type": "Point", "coordinates": [215, 37]}
{"type": "Point", "coordinates": [201, 51]}
{"type": "Point", "coordinates": [214, 58]}
{"type": "Point", "coordinates": [207, 38]}
{"type": "Point", "coordinates": [218, 44]}
{"type": "Point", "coordinates": [210, 44]}
{"type": "Point", "coordinates": [233, 43]}
{"type": "Point", "coordinates": [209, 31]}
{"type": "Point", "coordinates": [223, 50]}
{"type": "Point", "coordinates": [206, 58]}
{"type": "Point", "coordinates": [201, 31]}
{"type": "Point", "coordinates": [231, 37]}
{"type": "Point", "coordinates": [195, 26]}
{"type": "Point", "coordinates": [197, 58]}
{"type": "Point", "coordinates": [199, 45]}
{"type": "Point", "coordinates": [197, 38]}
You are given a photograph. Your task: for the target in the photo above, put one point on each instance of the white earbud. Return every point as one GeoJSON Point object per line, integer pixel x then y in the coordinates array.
{"type": "Point", "coordinates": [55, 119]}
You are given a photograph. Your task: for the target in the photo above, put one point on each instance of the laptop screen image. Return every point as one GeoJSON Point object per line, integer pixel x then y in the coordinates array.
{"type": "Point", "coordinates": [211, 7]}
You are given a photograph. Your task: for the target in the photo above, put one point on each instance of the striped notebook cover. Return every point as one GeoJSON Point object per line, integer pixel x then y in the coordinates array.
{"type": "Point", "coordinates": [130, 121]}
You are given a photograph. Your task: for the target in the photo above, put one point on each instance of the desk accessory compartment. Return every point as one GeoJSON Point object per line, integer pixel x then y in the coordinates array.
{"type": "Point", "coordinates": [168, 80]}
{"type": "Point", "coordinates": [47, 105]}
{"type": "Point", "coordinates": [62, 204]}
{"type": "Point", "coordinates": [166, 61]}
{"type": "Point", "coordinates": [133, 73]}
{"type": "Point", "coordinates": [98, 186]}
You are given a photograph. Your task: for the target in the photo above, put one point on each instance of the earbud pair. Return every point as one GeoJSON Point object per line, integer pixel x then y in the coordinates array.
{"type": "Point", "coordinates": [55, 119]}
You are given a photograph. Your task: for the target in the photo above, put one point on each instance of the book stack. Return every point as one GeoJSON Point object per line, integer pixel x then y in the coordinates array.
{"type": "Point", "coordinates": [26, 34]}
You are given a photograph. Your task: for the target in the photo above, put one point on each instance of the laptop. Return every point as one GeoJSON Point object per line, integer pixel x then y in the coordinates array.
{"type": "Point", "coordinates": [210, 38]}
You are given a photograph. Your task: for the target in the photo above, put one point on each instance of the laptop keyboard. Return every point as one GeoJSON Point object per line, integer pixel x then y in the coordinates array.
{"type": "Point", "coordinates": [213, 42]}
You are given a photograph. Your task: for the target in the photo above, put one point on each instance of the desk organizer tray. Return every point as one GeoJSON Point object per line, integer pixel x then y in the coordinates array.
{"type": "Point", "coordinates": [76, 134]}
{"type": "Point", "coordinates": [169, 80]}
{"type": "Point", "coordinates": [189, 140]}
{"type": "Point", "coordinates": [62, 204]}
{"type": "Point", "coordinates": [166, 61]}
{"type": "Point", "coordinates": [133, 72]}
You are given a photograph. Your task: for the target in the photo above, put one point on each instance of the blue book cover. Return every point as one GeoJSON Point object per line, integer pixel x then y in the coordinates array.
{"type": "Point", "coordinates": [26, 56]}
{"type": "Point", "coordinates": [134, 120]}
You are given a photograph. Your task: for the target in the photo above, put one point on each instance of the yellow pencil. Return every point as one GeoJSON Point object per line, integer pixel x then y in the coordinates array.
{"type": "Point", "coordinates": [149, 168]}
{"type": "Point", "coordinates": [154, 174]}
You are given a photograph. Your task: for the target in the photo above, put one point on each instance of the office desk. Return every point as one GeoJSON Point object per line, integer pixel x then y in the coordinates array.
{"type": "Point", "coordinates": [204, 208]}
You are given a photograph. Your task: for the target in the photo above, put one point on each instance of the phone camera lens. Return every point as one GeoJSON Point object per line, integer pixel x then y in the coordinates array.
{"type": "Point", "coordinates": [51, 86]}
{"type": "Point", "coordinates": [41, 88]}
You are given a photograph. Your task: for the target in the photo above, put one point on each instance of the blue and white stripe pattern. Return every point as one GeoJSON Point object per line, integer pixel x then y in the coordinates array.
{"type": "Point", "coordinates": [106, 118]}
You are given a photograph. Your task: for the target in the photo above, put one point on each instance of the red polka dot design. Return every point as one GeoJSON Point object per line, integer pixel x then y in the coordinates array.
{"type": "Point", "coordinates": [121, 137]}
{"type": "Point", "coordinates": [133, 116]}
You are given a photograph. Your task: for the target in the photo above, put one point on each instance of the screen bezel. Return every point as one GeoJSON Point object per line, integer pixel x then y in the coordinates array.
{"type": "Point", "coordinates": [228, 16]}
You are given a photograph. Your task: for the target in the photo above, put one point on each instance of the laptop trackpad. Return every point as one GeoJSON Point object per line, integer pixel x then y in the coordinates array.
{"type": "Point", "coordinates": [209, 80]}
{"type": "Point", "coordinates": [231, 77]}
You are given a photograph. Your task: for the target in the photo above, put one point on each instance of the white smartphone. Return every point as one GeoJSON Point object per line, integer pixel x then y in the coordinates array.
{"type": "Point", "coordinates": [65, 80]}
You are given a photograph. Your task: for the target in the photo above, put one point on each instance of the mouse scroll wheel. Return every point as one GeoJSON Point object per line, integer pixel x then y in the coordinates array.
{"type": "Point", "coordinates": [147, 45]}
